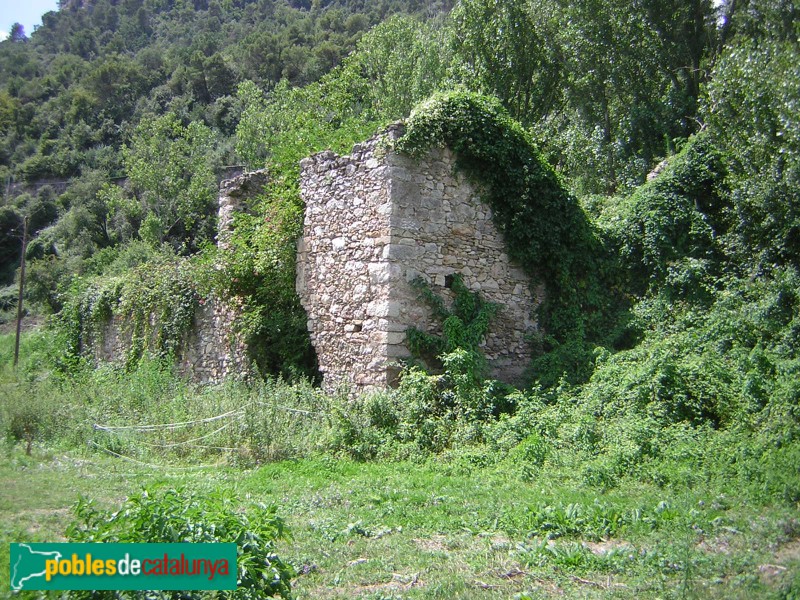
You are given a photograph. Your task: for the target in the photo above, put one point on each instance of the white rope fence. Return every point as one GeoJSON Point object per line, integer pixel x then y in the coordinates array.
{"type": "Point", "coordinates": [168, 426]}
{"type": "Point", "coordinates": [234, 416]}
{"type": "Point", "coordinates": [154, 465]}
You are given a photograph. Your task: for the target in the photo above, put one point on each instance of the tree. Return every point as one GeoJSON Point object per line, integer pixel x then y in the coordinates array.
{"type": "Point", "coordinates": [251, 132]}
{"type": "Point", "coordinates": [8, 110]}
{"type": "Point", "coordinates": [632, 79]}
{"type": "Point", "coordinates": [503, 50]}
{"type": "Point", "coordinates": [753, 113]}
{"type": "Point", "coordinates": [756, 19]}
{"type": "Point", "coordinates": [10, 235]}
{"type": "Point", "coordinates": [117, 82]}
{"type": "Point", "coordinates": [404, 62]}
{"type": "Point", "coordinates": [170, 167]}
{"type": "Point", "coordinates": [17, 33]}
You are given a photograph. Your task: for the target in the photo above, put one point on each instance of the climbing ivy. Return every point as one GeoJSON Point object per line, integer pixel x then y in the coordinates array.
{"type": "Point", "coordinates": [457, 354]}
{"type": "Point", "coordinates": [155, 304]}
{"type": "Point", "coordinates": [158, 304]}
{"type": "Point", "coordinates": [544, 227]}
{"type": "Point", "coordinates": [89, 305]}
{"type": "Point", "coordinates": [464, 325]}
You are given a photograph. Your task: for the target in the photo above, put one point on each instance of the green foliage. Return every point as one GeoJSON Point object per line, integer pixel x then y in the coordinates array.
{"type": "Point", "coordinates": [691, 393]}
{"type": "Point", "coordinates": [261, 421]}
{"type": "Point", "coordinates": [260, 269]}
{"type": "Point", "coordinates": [49, 279]}
{"type": "Point", "coordinates": [159, 80]}
{"type": "Point", "coordinates": [506, 50]}
{"type": "Point", "coordinates": [667, 233]}
{"type": "Point", "coordinates": [160, 301]}
{"type": "Point", "coordinates": [10, 245]}
{"type": "Point", "coordinates": [28, 417]}
{"type": "Point", "coordinates": [169, 166]}
{"type": "Point", "coordinates": [545, 229]}
{"type": "Point", "coordinates": [464, 326]}
{"type": "Point", "coordinates": [172, 516]}
{"type": "Point", "coordinates": [252, 130]}
{"type": "Point", "coordinates": [403, 61]}
{"type": "Point", "coordinates": [426, 414]}
{"type": "Point", "coordinates": [294, 122]}
{"type": "Point", "coordinates": [701, 378]}
{"type": "Point", "coordinates": [495, 150]}
{"type": "Point", "coordinates": [153, 304]}
{"type": "Point", "coordinates": [281, 421]}
{"type": "Point", "coordinates": [593, 522]}
{"type": "Point", "coordinates": [753, 117]}
{"type": "Point", "coordinates": [634, 75]}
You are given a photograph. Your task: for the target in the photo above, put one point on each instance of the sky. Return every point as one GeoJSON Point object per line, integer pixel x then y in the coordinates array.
{"type": "Point", "coordinates": [27, 12]}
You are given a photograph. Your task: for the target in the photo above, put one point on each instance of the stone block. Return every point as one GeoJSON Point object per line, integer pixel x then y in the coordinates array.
{"type": "Point", "coordinates": [379, 273]}
{"type": "Point", "coordinates": [398, 252]}
{"type": "Point", "coordinates": [398, 337]}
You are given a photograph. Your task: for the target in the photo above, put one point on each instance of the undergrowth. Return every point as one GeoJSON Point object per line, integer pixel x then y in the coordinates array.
{"type": "Point", "coordinates": [181, 516]}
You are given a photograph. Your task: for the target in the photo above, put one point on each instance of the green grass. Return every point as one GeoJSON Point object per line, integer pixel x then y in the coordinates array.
{"type": "Point", "coordinates": [433, 530]}
{"type": "Point", "coordinates": [516, 508]}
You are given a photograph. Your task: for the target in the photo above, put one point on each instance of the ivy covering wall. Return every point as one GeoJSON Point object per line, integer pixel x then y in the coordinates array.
{"type": "Point", "coordinates": [545, 228]}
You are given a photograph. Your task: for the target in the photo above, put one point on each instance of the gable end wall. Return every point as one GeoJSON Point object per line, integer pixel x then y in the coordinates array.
{"type": "Point", "coordinates": [375, 221]}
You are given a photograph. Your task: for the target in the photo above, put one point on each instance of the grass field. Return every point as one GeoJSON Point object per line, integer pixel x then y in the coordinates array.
{"type": "Point", "coordinates": [403, 530]}
{"type": "Point", "coordinates": [474, 521]}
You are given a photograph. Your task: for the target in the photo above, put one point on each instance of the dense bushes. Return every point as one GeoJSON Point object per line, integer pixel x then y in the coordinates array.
{"type": "Point", "coordinates": [176, 516]}
{"type": "Point", "coordinates": [673, 223]}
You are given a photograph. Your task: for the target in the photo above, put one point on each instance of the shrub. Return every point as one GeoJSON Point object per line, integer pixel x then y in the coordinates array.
{"type": "Point", "coordinates": [174, 516]}
{"type": "Point", "coordinates": [678, 216]}
{"type": "Point", "coordinates": [31, 415]}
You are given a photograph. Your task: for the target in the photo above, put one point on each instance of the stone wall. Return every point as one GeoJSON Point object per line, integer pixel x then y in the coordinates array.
{"type": "Point", "coordinates": [375, 221]}
{"type": "Point", "coordinates": [210, 350]}
{"type": "Point", "coordinates": [234, 196]}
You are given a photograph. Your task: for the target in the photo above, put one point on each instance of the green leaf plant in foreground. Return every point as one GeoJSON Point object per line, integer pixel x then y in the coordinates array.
{"type": "Point", "coordinates": [174, 516]}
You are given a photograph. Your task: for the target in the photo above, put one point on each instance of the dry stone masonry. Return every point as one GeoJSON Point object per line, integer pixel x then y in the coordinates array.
{"type": "Point", "coordinates": [375, 221]}
{"type": "Point", "coordinates": [234, 196]}
{"type": "Point", "coordinates": [211, 350]}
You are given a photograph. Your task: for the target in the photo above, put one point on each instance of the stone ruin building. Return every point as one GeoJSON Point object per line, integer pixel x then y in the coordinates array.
{"type": "Point", "coordinates": [376, 220]}
{"type": "Point", "coordinates": [211, 351]}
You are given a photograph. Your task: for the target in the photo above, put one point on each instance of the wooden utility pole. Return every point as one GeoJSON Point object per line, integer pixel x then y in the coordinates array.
{"type": "Point", "coordinates": [21, 290]}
